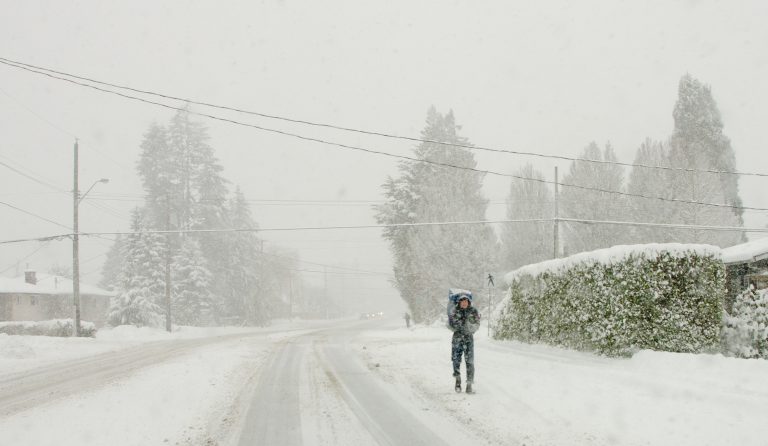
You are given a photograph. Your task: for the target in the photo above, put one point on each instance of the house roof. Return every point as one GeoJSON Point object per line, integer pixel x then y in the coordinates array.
{"type": "Point", "coordinates": [48, 284]}
{"type": "Point", "coordinates": [751, 251]}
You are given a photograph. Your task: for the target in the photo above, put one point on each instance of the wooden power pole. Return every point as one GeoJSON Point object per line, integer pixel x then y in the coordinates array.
{"type": "Point", "coordinates": [76, 247]}
{"type": "Point", "coordinates": [557, 222]}
{"type": "Point", "coordinates": [168, 264]}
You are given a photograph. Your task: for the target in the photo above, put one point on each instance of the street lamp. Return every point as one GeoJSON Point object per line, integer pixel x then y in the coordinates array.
{"type": "Point", "coordinates": [76, 199]}
{"type": "Point", "coordinates": [103, 180]}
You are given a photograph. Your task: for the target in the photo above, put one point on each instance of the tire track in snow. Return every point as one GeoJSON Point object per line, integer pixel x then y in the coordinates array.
{"type": "Point", "coordinates": [23, 390]}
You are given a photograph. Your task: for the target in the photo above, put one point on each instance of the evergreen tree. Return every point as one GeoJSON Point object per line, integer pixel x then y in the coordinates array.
{"type": "Point", "coordinates": [431, 259]}
{"type": "Point", "coordinates": [210, 212]}
{"type": "Point", "coordinates": [186, 190]}
{"type": "Point", "coordinates": [188, 144]}
{"type": "Point", "coordinates": [277, 280]}
{"type": "Point", "coordinates": [110, 271]}
{"type": "Point", "coordinates": [141, 281]}
{"type": "Point", "coordinates": [526, 243]}
{"type": "Point", "coordinates": [191, 300]}
{"type": "Point", "coordinates": [181, 176]}
{"type": "Point", "coordinates": [243, 267]}
{"type": "Point", "coordinates": [650, 182]}
{"type": "Point", "coordinates": [160, 174]}
{"type": "Point", "coordinates": [698, 143]}
{"type": "Point", "coordinates": [593, 205]}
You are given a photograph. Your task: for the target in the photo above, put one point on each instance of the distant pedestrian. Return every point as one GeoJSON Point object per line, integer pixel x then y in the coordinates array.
{"type": "Point", "coordinates": [407, 320]}
{"type": "Point", "coordinates": [464, 320]}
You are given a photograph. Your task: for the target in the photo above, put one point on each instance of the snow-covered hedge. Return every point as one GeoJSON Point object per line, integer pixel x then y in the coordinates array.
{"type": "Point", "coordinates": [614, 301]}
{"type": "Point", "coordinates": [54, 327]}
{"type": "Point", "coordinates": [745, 332]}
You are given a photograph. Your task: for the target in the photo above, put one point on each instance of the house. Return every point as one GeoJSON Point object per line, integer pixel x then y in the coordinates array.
{"type": "Point", "coordinates": [745, 264]}
{"type": "Point", "coordinates": [39, 297]}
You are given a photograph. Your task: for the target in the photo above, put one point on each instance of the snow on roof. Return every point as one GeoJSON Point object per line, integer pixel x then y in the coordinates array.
{"type": "Point", "coordinates": [746, 252]}
{"type": "Point", "coordinates": [48, 284]}
{"type": "Point", "coordinates": [8, 285]}
{"type": "Point", "coordinates": [610, 255]}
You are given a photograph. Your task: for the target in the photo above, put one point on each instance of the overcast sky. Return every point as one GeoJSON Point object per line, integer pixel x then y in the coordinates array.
{"type": "Point", "coordinates": [545, 77]}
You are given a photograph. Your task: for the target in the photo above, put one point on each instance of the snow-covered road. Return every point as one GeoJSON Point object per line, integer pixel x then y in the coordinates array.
{"type": "Point", "coordinates": [318, 389]}
{"type": "Point", "coordinates": [27, 389]}
{"type": "Point", "coordinates": [372, 382]}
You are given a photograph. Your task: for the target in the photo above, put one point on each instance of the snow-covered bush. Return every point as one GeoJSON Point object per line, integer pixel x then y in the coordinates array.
{"type": "Point", "coordinates": [134, 307]}
{"type": "Point", "coordinates": [745, 332]}
{"type": "Point", "coordinates": [54, 327]}
{"type": "Point", "coordinates": [614, 301]}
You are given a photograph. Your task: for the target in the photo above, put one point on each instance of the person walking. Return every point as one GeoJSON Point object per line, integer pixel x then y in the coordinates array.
{"type": "Point", "coordinates": [407, 320]}
{"type": "Point", "coordinates": [464, 320]}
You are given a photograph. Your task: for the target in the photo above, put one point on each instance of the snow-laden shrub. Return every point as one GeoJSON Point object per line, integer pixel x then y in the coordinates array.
{"type": "Point", "coordinates": [55, 327]}
{"type": "Point", "coordinates": [134, 307]}
{"type": "Point", "coordinates": [745, 331]}
{"type": "Point", "coordinates": [618, 300]}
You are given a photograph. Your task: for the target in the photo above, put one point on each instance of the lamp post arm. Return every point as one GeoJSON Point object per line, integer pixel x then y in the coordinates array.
{"type": "Point", "coordinates": [103, 180]}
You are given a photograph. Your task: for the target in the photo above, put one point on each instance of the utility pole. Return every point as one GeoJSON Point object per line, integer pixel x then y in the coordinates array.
{"type": "Point", "coordinates": [76, 248]}
{"type": "Point", "coordinates": [262, 282]}
{"type": "Point", "coordinates": [557, 221]}
{"type": "Point", "coordinates": [290, 297]}
{"type": "Point", "coordinates": [325, 290]}
{"type": "Point", "coordinates": [167, 264]}
{"type": "Point", "coordinates": [490, 284]}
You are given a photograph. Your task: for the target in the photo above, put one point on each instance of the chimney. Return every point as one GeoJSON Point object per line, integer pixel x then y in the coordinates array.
{"type": "Point", "coordinates": [30, 277]}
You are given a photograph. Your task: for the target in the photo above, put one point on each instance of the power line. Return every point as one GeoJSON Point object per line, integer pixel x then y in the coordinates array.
{"type": "Point", "coordinates": [343, 273]}
{"type": "Point", "coordinates": [21, 65]}
{"type": "Point", "coordinates": [59, 128]}
{"type": "Point", "coordinates": [400, 225]}
{"type": "Point", "coordinates": [378, 152]}
{"type": "Point", "coordinates": [343, 203]}
{"type": "Point", "coordinates": [38, 116]}
{"type": "Point", "coordinates": [13, 265]}
{"type": "Point", "coordinates": [307, 228]}
{"type": "Point", "coordinates": [37, 178]}
{"type": "Point", "coordinates": [35, 215]}
{"type": "Point", "coordinates": [664, 225]}
{"type": "Point", "coordinates": [326, 265]}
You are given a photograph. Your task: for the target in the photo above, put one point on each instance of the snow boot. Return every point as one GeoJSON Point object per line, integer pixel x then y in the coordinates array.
{"type": "Point", "coordinates": [457, 388]}
{"type": "Point", "coordinates": [469, 387]}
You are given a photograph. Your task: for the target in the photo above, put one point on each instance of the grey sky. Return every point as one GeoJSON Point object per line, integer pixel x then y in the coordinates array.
{"type": "Point", "coordinates": [546, 77]}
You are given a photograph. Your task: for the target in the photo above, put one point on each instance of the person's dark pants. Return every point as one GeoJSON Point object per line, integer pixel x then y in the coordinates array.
{"type": "Point", "coordinates": [463, 344]}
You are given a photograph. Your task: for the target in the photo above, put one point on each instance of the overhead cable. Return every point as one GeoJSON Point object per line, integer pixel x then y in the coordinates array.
{"type": "Point", "coordinates": [18, 64]}
{"type": "Point", "coordinates": [378, 152]}
{"type": "Point", "coordinates": [403, 225]}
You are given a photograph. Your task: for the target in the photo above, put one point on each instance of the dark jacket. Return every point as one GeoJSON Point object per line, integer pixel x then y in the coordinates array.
{"type": "Point", "coordinates": [464, 321]}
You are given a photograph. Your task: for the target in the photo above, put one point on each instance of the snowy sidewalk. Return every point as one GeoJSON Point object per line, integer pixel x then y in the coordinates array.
{"type": "Point", "coordinates": [535, 394]}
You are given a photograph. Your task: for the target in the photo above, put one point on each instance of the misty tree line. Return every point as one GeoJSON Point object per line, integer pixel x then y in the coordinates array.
{"type": "Point", "coordinates": [219, 277]}
{"type": "Point", "coordinates": [430, 259]}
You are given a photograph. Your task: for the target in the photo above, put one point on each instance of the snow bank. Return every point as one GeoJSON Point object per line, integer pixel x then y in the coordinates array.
{"type": "Point", "coordinates": [609, 256]}
{"type": "Point", "coordinates": [53, 327]}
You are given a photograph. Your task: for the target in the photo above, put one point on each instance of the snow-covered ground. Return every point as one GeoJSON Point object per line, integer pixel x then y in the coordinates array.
{"type": "Point", "coordinates": [527, 394]}
{"type": "Point", "coordinates": [536, 394]}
